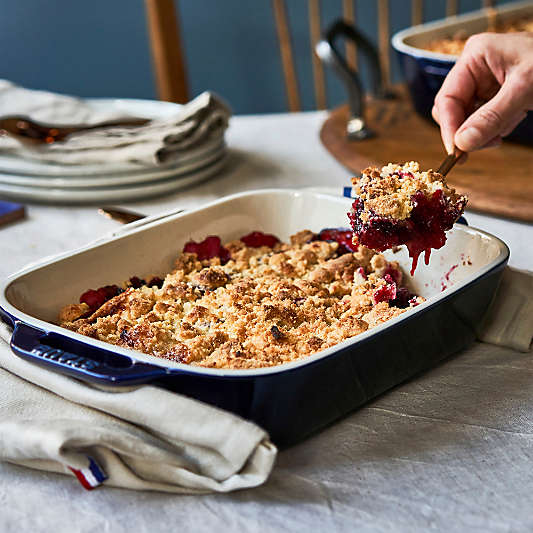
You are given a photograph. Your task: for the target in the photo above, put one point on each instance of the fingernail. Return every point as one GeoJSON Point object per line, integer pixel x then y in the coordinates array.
{"type": "Point", "coordinates": [447, 140]}
{"type": "Point", "coordinates": [450, 147]}
{"type": "Point", "coordinates": [469, 139]}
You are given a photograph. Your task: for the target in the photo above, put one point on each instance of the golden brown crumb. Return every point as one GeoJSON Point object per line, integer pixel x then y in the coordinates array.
{"type": "Point", "coordinates": [302, 237]}
{"type": "Point", "coordinates": [263, 308]}
{"type": "Point", "coordinates": [454, 45]}
{"type": "Point", "coordinates": [388, 191]}
{"type": "Point", "coordinates": [72, 312]}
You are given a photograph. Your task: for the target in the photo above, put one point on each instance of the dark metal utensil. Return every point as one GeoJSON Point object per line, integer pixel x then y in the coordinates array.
{"type": "Point", "coordinates": [328, 50]}
{"type": "Point", "coordinates": [26, 130]}
{"type": "Point", "coordinates": [450, 161]}
{"type": "Point", "coordinates": [124, 216]}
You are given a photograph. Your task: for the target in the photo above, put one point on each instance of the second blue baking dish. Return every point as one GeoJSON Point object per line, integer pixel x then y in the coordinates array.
{"type": "Point", "coordinates": [424, 71]}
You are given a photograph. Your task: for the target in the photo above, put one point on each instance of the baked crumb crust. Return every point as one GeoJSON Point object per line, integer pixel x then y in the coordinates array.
{"type": "Point", "coordinates": [454, 45]}
{"type": "Point", "coordinates": [264, 307]}
{"type": "Point", "coordinates": [388, 191]}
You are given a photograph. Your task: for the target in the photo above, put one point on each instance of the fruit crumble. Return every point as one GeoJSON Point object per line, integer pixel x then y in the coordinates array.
{"type": "Point", "coordinates": [454, 45]}
{"type": "Point", "coordinates": [399, 204]}
{"type": "Point", "coordinates": [250, 303]}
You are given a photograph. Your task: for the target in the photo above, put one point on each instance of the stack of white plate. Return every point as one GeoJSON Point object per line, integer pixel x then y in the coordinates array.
{"type": "Point", "coordinates": [28, 180]}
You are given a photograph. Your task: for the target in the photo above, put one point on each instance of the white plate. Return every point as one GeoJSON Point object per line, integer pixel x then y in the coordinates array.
{"type": "Point", "coordinates": [110, 194]}
{"type": "Point", "coordinates": [110, 180]}
{"type": "Point", "coordinates": [135, 107]}
{"type": "Point", "coordinates": [14, 165]}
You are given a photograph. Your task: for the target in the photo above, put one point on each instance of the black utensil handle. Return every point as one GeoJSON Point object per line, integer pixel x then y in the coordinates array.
{"type": "Point", "coordinates": [330, 53]}
{"type": "Point", "coordinates": [79, 360]}
{"type": "Point", "coordinates": [342, 29]}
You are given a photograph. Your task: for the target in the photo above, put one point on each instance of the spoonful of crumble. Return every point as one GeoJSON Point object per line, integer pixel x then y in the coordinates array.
{"type": "Point", "coordinates": [400, 204]}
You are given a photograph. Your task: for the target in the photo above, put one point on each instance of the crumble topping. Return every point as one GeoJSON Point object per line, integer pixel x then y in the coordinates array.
{"type": "Point", "coordinates": [265, 306]}
{"type": "Point", "coordinates": [400, 204]}
{"type": "Point", "coordinates": [455, 44]}
{"type": "Point", "coordinates": [389, 192]}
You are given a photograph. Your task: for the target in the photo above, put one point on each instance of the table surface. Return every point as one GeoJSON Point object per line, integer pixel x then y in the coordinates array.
{"type": "Point", "coordinates": [450, 450]}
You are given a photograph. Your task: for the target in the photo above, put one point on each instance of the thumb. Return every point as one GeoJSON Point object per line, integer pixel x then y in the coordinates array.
{"type": "Point", "coordinates": [492, 119]}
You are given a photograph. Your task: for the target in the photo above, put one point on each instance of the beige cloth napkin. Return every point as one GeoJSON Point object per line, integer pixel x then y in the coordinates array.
{"type": "Point", "coordinates": [509, 321]}
{"type": "Point", "coordinates": [160, 141]}
{"type": "Point", "coordinates": [143, 438]}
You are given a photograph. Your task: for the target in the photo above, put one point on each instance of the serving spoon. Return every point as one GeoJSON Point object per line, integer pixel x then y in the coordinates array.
{"type": "Point", "coordinates": [32, 132]}
{"type": "Point", "coordinates": [124, 216]}
{"type": "Point", "coordinates": [449, 161]}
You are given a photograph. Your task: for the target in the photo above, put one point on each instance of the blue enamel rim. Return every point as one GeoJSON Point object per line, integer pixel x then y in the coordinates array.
{"type": "Point", "coordinates": [130, 368]}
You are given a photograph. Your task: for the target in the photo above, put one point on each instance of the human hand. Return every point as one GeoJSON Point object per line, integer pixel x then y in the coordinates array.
{"type": "Point", "coordinates": [487, 93]}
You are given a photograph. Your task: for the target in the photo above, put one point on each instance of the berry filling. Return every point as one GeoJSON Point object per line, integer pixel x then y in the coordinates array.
{"type": "Point", "coordinates": [394, 274]}
{"type": "Point", "coordinates": [155, 281]}
{"type": "Point", "coordinates": [393, 294]}
{"type": "Point", "coordinates": [403, 298]}
{"type": "Point", "coordinates": [95, 298]}
{"type": "Point", "coordinates": [136, 282]}
{"type": "Point", "coordinates": [207, 249]}
{"type": "Point", "coordinates": [430, 217]}
{"type": "Point", "coordinates": [343, 236]}
{"type": "Point", "coordinates": [256, 239]}
{"type": "Point", "coordinates": [385, 293]}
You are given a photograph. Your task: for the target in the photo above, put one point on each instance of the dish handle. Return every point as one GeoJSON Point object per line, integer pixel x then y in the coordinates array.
{"type": "Point", "coordinates": [73, 358]}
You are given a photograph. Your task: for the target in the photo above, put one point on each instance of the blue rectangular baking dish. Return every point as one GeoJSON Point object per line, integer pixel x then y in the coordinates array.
{"type": "Point", "coordinates": [290, 401]}
{"type": "Point", "coordinates": [424, 71]}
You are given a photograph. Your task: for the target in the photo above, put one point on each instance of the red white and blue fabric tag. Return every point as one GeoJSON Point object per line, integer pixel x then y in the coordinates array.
{"type": "Point", "coordinates": [90, 477]}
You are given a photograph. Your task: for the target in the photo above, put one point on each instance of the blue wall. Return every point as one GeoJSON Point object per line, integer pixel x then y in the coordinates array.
{"type": "Point", "coordinates": [100, 47]}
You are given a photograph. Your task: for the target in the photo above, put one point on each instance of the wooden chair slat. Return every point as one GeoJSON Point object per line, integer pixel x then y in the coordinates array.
{"type": "Point", "coordinates": [417, 12]}
{"type": "Point", "coordinates": [451, 8]}
{"type": "Point", "coordinates": [384, 40]}
{"type": "Point", "coordinates": [348, 13]}
{"type": "Point", "coordinates": [287, 60]}
{"type": "Point", "coordinates": [165, 44]}
{"type": "Point", "coordinates": [318, 70]}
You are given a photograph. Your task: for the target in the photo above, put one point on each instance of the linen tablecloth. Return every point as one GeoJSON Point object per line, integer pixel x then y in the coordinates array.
{"type": "Point", "coordinates": [449, 451]}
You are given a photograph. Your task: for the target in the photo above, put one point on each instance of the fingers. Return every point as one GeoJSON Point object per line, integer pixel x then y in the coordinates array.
{"type": "Point", "coordinates": [497, 118]}
{"type": "Point", "coordinates": [495, 141]}
{"type": "Point", "coordinates": [450, 114]}
{"type": "Point", "coordinates": [514, 123]}
{"type": "Point", "coordinates": [494, 69]}
{"type": "Point", "coordinates": [453, 102]}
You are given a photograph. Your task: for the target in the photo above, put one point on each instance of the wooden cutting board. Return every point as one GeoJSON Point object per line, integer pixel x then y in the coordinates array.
{"type": "Point", "coordinates": [498, 181]}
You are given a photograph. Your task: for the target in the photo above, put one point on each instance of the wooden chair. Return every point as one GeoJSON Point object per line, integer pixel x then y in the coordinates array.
{"type": "Point", "coordinates": [484, 179]}
{"type": "Point", "coordinates": [282, 26]}
{"type": "Point", "coordinates": [168, 57]}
